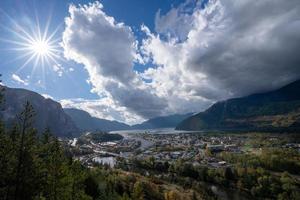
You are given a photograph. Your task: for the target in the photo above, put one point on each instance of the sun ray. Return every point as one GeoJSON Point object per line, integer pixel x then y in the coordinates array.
{"type": "Point", "coordinates": [26, 62]}
{"type": "Point", "coordinates": [39, 47]}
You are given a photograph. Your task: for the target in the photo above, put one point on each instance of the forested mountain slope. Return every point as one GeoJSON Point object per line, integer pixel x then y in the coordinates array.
{"type": "Point", "coordinates": [278, 110]}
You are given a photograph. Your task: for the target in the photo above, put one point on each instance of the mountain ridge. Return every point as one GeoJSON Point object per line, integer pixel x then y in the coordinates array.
{"type": "Point", "coordinates": [274, 110]}
{"type": "Point", "coordinates": [48, 113]}
{"type": "Point", "coordinates": [168, 121]}
{"type": "Point", "coordinates": [86, 122]}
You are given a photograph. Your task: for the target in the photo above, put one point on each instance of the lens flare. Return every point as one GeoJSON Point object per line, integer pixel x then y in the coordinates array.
{"type": "Point", "coordinates": [35, 46]}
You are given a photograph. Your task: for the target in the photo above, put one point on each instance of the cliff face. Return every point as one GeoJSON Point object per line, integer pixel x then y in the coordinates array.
{"type": "Point", "coordinates": [48, 113]}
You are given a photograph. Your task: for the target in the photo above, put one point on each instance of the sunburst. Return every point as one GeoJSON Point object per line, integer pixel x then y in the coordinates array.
{"type": "Point", "coordinates": [34, 46]}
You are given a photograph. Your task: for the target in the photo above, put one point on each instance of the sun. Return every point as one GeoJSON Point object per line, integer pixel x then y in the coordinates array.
{"type": "Point", "coordinates": [41, 48]}
{"type": "Point", "coordinates": [35, 46]}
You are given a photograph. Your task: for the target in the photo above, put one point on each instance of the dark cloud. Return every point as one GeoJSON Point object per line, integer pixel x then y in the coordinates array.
{"type": "Point", "coordinates": [230, 48]}
{"type": "Point", "coordinates": [256, 51]}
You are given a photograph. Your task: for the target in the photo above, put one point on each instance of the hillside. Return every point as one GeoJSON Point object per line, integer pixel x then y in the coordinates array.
{"type": "Point", "coordinates": [271, 111]}
{"type": "Point", "coordinates": [48, 113]}
{"type": "Point", "coordinates": [85, 122]}
{"type": "Point", "coordinates": [169, 121]}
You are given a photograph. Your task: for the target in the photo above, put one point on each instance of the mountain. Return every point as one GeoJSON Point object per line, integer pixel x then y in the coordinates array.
{"type": "Point", "coordinates": [48, 113]}
{"type": "Point", "coordinates": [162, 122]}
{"type": "Point", "coordinates": [278, 110]}
{"type": "Point", "coordinates": [85, 122]}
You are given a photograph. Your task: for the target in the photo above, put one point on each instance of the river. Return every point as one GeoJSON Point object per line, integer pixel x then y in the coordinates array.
{"type": "Point", "coordinates": [222, 192]}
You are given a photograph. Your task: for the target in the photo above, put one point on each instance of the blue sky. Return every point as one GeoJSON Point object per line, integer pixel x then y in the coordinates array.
{"type": "Point", "coordinates": [71, 84]}
{"type": "Point", "coordinates": [132, 60]}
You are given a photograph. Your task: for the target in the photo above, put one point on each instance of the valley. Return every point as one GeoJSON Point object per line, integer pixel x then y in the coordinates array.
{"type": "Point", "coordinates": [201, 157]}
{"type": "Point", "coordinates": [149, 100]}
{"type": "Point", "coordinates": [240, 148]}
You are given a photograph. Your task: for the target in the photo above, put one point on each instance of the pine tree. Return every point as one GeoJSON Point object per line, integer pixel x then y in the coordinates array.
{"type": "Point", "coordinates": [78, 176]}
{"type": "Point", "coordinates": [138, 191]}
{"type": "Point", "coordinates": [91, 187]}
{"type": "Point", "coordinates": [26, 170]}
{"type": "Point", "coordinates": [10, 157]}
{"type": "Point", "coordinates": [54, 168]}
{"type": "Point", "coordinates": [4, 162]}
{"type": "Point", "coordinates": [6, 156]}
{"type": "Point", "coordinates": [33, 168]}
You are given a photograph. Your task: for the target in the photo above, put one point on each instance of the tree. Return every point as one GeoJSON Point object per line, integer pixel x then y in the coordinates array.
{"type": "Point", "coordinates": [202, 173]}
{"type": "Point", "coordinates": [26, 171]}
{"type": "Point", "coordinates": [171, 195]}
{"type": "Point", "coordinates": [288, 184]}
{"type": "Point", "coordinates": [125, 197]}
{"type": "Point", "coordinates": [56, 183]}
{"type": "Point", "coordinates": [138, 191]}
{"type": "Point", "coordinates": [151, 162]}
{"type": "Point", "coordinates": [91, 187]}
{"type": "Point", "coordinates": [5, 163]}
{"type": "Point", "coordinates": [228, 174]}
{"type": "Point", "coordinates": [77, 175]}
{"type": "Point", "coordinates": [36, 168]}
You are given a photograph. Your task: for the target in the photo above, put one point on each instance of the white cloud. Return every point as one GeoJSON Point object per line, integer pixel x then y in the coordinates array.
{"type": "Point", "coordinates": [47, 96]}
{"type": "Point", "coordinates": [95, 39]}
{"type": "Point", "coordinates": [59, 69]}
{"type": "Point", "coordinates": [177, 22]}
{"type": "Point", "coordinates": [19, 80]}
{"type": "Point", "coordinates": [102, 108]}
{"type": "Point", "coordinates": [71, 69]}
{"type": "Point", "coordinates": [229, 48]}
{"type": "Point", "coordinates": [108, 50]}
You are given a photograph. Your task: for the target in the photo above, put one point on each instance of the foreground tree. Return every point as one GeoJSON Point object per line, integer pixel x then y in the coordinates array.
{"type": "Point", "coordinates": [27, 169]}
{"type": "Point", "coordinates": [36, 168]}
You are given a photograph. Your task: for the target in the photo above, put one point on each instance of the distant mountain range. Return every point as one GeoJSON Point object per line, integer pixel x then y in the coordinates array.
{"type": "Point", "coordinates": [85, 122]}
{"type": "Point", "coordinates": [48, 113]}
{"type": "Point", "coordinates": [170, 121]}
{"type": "Point", "coordinates": [69, 122]}
{"type": "Point", "coordinates": [278, 110]}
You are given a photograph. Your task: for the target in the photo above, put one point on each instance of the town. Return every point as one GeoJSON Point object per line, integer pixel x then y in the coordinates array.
{"type": "Point", "coordinates": [199, 149]}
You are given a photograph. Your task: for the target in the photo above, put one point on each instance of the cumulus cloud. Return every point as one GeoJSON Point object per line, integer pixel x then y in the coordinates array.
{"type": "Point", "coordinates": [232, 48]}
{"type": "Point", "coordinates": [19, 80]}
{"type": "Point", "coordinates": [178, 22]}
{"type": "Point", "coordinates": [95, 39]}
{"type": "Point", "coordinates": [102, 108]}
{"type": "Point", "coordinates": [108, 50]}
{"type": "Point", "coordinates": [201, 55]}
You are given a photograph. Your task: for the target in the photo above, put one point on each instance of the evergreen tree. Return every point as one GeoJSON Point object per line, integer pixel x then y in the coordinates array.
{"type": "Point", "coordinates": [78, 176]}
{"type": "Point", "coordinates": [91, 187]}
{"type": "Point", "coordinates": [138, 191]}
{"type": "Point", "coordinates": [26, 175]}
{"type": "Point", "coordinates": [5, 168]}
{"type": "Point", "coordinates": [55, 179]}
